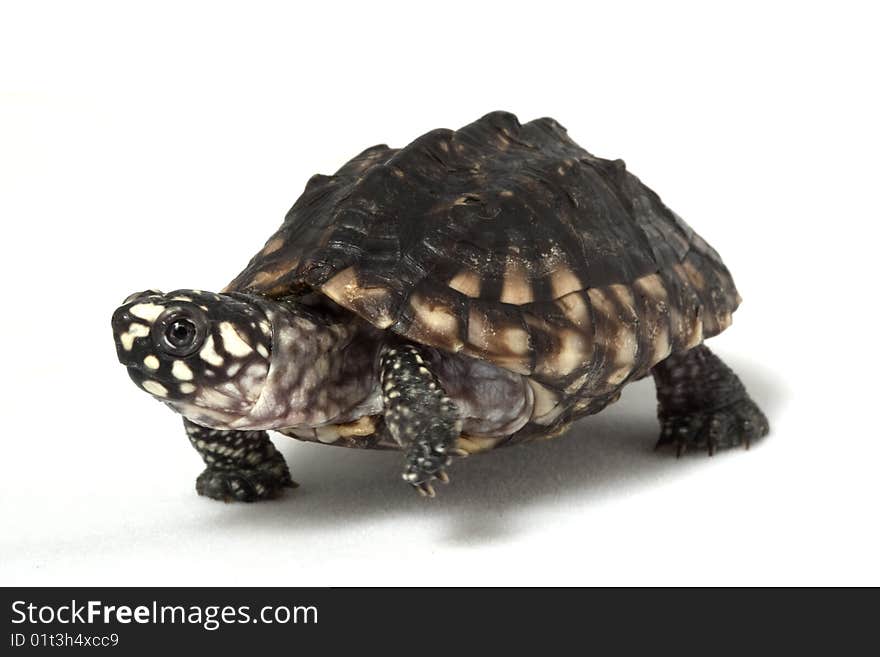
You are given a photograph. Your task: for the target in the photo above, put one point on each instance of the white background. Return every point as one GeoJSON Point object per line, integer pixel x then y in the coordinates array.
{"type": "Point", "coordinates": [151, 145]}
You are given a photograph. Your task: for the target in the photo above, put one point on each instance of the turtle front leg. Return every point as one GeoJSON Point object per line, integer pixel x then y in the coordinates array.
{"type": "Point", "coordinates": [419, 415]}
{"type": "Point", "coordinates": [242, 465]}
{"type": "Point", "coordinates": [702, 404]}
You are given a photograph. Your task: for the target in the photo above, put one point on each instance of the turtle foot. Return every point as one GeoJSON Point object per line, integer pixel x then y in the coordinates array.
{"type": "Point", "coordinates": [244, 484]}
{"type": "Point", "coordinates": [425, 463]}
{"type": "Point", "coordinates": [740, 423]}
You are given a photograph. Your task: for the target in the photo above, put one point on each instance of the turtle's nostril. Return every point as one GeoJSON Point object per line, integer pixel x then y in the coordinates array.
{"type": "Point", "coordinates": [117, 322]}
{"type": "Point", "coordinates": [115, 319]}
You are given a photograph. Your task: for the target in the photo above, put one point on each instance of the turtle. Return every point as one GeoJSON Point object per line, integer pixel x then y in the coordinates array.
{"type": "Point", "coordinates": [475, 289]}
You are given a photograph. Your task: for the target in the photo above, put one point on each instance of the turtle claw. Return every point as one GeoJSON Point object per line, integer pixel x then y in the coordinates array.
{"type": "Point", "coordinates": [738, 424]}
{"type": "Point", "coordinates": [425, 490]}
{"type": "Point", "coordinates": [243, 484]}
{"type": "Point", "coordinates": [703, 405]}
{"type": "Point", "coordinates": [421, 479]}
{"type": "Point", "coordinates": [425, 465]}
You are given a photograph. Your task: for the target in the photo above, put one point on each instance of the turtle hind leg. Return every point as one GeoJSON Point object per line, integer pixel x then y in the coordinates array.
{"type": "Point", "coordinates": [703, 405]}
{"type": "Point", "coordinates": [241, 465]}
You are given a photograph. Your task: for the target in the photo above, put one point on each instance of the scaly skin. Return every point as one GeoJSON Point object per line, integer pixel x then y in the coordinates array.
{"type": "Point", "coordinates": [703, 405]}
{"type": "Point", "coordinates": [242, 465]}
{"type": "Point", "coordinates": [419, 415]}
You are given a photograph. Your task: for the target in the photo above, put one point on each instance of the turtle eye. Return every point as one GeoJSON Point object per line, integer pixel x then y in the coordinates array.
{"type": "Point", "coordinates": [180, 334]}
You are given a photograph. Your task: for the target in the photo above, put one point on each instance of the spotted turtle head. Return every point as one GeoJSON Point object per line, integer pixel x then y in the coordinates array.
{"type": "Point", "coordinates": [206, 355]}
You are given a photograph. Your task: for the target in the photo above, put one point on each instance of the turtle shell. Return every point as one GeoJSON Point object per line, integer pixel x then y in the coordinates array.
{"type": "Point", "coordinates": [506, 242]}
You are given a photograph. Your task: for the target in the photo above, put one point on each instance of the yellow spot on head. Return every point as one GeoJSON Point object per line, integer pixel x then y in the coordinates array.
{"type": "Point", "coordinates": [232, 340]}
{"type": "Point", "coordinates": [209, 354]}
{"type": "Point", "coordinates": [151, 362]}
{"type": "Point", "coordinates": [155, 388]}
{"type": "Point", "coordinates": [146, 311]}
{"type": "Point", "coordinates": [181, 371]}
{"type": "Point", "coordinates": [135, 330]}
